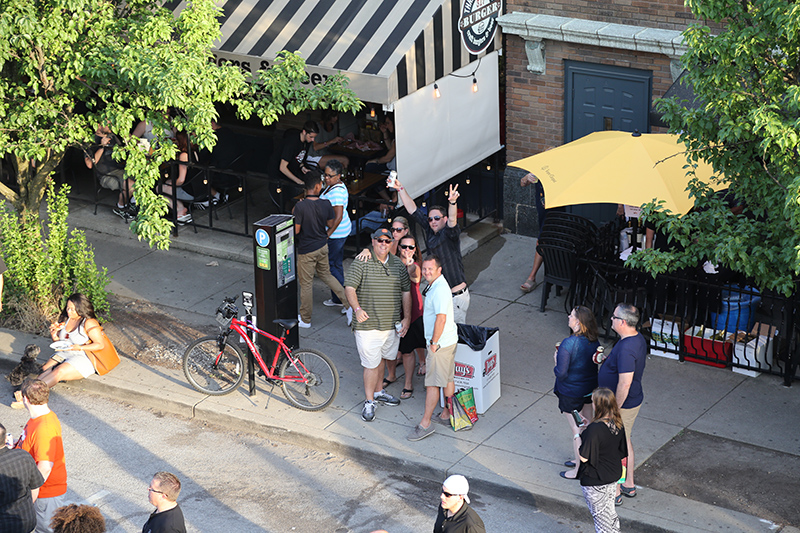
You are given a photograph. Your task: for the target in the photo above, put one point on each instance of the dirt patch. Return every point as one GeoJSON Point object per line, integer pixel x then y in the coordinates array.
{"type": "Point", "coordinates": [726, 473]}
{"type": "Point", "coordinates": [144, 332]}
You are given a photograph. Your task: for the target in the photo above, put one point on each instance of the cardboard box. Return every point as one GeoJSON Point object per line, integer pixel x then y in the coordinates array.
{"type": "Point", "coordinates": [481, 371]}
{"type": "Point", "coordinates": [698, 341]}
{"type": "Point", "coordinates": [756, 353]}
{"type": "Point", "coordinates": [665, 334]}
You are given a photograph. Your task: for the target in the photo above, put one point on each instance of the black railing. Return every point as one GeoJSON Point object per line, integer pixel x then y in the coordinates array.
{"type": "Point", "coordinates": [280, 190]}
{"type": "Point", "coordinates": [696, 317]}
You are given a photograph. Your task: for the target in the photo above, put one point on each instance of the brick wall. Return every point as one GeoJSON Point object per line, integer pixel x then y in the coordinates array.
{"type": "Point", "coordinates": [664, 14]}
{"type": "Point", "coordinates": [535, 109]}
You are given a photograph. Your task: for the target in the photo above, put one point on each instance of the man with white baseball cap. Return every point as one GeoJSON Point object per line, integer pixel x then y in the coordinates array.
{"type": "Point", "coordinates": [455, 514]}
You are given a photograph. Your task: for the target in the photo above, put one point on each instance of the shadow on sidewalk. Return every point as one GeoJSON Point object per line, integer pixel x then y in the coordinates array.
{"type": "Point", "coordinates": [726, 473]}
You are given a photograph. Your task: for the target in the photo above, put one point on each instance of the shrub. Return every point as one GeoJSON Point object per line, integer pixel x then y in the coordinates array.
{"type": "Point", "coordinates": [46, 263]}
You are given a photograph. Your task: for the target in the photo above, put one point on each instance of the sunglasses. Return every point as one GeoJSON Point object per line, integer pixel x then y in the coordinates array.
{"type": "Point", "coordinates": [435, 217]}
{"type": "Point", "coordinates": [447, 494]}
{"type": "Point", "coordinates": [398, 230]}
{"type": "Point", "coordinates": [408, 246]}
{"type": "Point", "coordinates": [384, 241]}
{"type": "Point", "coordinates": [156, 491]}
{"type": "Point", "coordinates": [330, 175]}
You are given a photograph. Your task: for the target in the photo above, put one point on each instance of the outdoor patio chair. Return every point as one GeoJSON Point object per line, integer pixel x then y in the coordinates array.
{"type": "Point", "coordinates": [560, 269]}
{"type": "Point", "coordinates": [611, 287]}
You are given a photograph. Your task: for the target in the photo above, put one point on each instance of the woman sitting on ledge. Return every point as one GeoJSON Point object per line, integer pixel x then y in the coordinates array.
{"type": "Point", "coordinates": [78, 330]}
{"type": "Point", "coordinates": [76, 325]}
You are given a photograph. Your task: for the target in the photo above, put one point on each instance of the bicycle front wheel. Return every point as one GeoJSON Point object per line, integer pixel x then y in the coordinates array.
{"type": "Point", "coordinates": [211, 370]}
{"type": "Point", "coordinates": [311, 383]}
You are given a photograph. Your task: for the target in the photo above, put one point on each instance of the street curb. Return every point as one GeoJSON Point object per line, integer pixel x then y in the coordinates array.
{"type": "Point", "coordinates": [546, 499]}
{"type": "Point", "coordinates": [571, 506]}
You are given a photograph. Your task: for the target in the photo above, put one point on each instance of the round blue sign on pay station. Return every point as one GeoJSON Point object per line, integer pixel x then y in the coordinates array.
{"type": "Point", "coordinates": [262, 237]}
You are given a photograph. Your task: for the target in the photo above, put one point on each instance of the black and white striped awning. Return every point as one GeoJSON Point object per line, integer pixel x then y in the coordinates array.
{"type": "Point", "coordinates": [387, 48]}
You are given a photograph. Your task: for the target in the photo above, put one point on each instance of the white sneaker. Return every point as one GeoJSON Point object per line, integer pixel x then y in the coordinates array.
{"type": "Point", "coordinates": [368, 411]}
{"type": "Point", "coordinates": [303, 324]}
{"type": "Point", "coordinates": [349, 313]}
{"type": "Point", "coordinates": [330, 303]}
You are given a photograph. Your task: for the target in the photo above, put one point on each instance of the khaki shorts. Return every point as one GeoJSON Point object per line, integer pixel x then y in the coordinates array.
{"type": "Point", "coordinates": [440, 367]}
{"type": "Point", "coordinates": [628, 418]}
{"type": "Point", "coordinates": [374, 345]}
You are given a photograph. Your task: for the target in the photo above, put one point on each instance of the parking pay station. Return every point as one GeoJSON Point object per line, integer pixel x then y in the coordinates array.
{"type": "Point", "coordinates": [276, 276]}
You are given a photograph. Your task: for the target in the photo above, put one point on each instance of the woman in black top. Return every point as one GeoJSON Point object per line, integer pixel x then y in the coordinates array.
{"type": "Point", "coordinates": [601, 454]}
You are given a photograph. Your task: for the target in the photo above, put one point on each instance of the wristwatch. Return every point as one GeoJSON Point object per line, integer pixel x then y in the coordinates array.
{"type": "Point", "coordinates": [435, 344]}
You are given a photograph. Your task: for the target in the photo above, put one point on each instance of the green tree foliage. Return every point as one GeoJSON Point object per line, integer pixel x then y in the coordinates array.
{"type": "Point", "coordinates": [46, 263]}
{"type": "Point", "coordinates": [748, 127]}
{"type": "Point", "coordinates": [69, 65]}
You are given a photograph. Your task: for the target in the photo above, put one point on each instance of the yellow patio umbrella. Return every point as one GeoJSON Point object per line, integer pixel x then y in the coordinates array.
{"type": "Point", "coordinates": [617, 167]}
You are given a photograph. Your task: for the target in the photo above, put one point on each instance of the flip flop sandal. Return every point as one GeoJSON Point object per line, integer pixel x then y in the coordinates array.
{"type": "Point", "coordinates": [406, 394]}
{"type": "Point", "coordinates": [386, 382]}
{"type": "Point", "coordinates": [629, 492]}
{"type": "Point", "coordinates": [618, 500]}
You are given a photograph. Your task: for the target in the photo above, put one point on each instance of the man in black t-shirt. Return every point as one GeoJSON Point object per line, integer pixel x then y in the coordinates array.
{"type": "Point", "coordinates": [163, 493]}
{"type": "Point", "coordinates": [312, 218]}
{"type": "Point", "coordinates": [296, 144]}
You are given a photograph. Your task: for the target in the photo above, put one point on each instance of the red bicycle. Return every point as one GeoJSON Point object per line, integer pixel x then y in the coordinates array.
{"type": "Point", "coordinates": [214, 365]}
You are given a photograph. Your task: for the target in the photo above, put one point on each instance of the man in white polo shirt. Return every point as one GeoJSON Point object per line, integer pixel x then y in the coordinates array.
{"type": "Point", "coordinates": [441, 335]}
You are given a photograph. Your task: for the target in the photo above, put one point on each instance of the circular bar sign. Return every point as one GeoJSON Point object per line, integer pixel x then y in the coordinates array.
{"type": "Point", "coordinates": [478, 23]}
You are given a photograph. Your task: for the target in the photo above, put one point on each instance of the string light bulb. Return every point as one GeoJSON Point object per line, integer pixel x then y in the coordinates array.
{"type": "Point", "coordinates": [278, 190]}
{"type": "Point", "coordinates": [467, 181]}
{"type": "Point", "coordinates": [436, 92]}
{"type": "Point", "coordinates": [474, 84]}
{"type": "Point", "coordinates": [372, 112]}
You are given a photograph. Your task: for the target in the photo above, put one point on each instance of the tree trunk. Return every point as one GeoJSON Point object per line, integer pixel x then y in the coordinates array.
{"type": "Point", "coordinates": [32, 178]}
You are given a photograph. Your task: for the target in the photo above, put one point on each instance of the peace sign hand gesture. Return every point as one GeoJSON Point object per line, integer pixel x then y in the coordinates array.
{"type": "Point", "coordinates": [454, 194]}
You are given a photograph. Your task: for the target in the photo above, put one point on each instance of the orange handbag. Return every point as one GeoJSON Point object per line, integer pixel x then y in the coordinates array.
{"type": "Point", "coordinates": [106, 359]}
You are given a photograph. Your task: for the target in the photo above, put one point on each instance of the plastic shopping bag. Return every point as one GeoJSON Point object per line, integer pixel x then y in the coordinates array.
{"type": "Point", "coordinates": [467, 400]}
{"type": "Point", "coordinates": [458, 417]}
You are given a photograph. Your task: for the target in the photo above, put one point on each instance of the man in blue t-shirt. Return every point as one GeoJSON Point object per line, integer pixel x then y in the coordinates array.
{"type": "Point", "coordinates": [622, 373]}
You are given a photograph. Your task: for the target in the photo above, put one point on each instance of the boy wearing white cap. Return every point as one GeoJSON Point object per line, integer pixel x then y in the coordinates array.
{"type": "Point", "coordinates": [455, 514]}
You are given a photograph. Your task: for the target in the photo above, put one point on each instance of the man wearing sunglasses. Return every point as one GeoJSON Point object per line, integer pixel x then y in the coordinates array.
{"type": "Point", "coordinates": [455, 515]}
{"type": "Point", "coordinates": [377, 290]}
{"type": "Point", "coordinates": [443, 239]}
{"type": "Point", "coordinates": [622, 373]}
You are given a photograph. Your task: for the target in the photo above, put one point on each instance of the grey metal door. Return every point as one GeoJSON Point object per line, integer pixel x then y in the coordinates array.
{"type": "Point", "coordinates": [603, 97]}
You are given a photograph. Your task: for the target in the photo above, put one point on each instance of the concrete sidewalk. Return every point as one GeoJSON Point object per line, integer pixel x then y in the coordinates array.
{"type": "Point", "coordinates": [517, 447]}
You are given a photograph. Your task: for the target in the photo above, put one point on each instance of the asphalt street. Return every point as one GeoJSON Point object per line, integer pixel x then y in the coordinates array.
{"type": "Point", "coordinates": [235, 481]}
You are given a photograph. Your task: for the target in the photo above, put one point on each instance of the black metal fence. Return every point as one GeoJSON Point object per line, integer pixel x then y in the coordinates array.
{"type": "Point", "coordinates": [698, 317]}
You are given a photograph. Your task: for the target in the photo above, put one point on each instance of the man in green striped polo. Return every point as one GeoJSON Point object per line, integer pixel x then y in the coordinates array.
{"type": "Point", "coordinates": [378, 290]}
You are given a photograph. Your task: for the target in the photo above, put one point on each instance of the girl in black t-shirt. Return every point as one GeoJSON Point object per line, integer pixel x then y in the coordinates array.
{"type": "Point", "coordinates": [601, 454]}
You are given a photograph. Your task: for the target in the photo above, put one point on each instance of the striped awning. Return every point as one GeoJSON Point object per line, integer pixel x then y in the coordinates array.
{"type": "Point", "coordinates": [387, 48]}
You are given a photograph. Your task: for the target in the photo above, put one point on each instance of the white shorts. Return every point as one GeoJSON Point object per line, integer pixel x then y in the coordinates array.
{"type": "Point", "coordinates": [79, 361]}
{"type": "Point", "coordinates": [374, 345]}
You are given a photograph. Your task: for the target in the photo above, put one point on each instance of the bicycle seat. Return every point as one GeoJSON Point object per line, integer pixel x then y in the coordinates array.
{"type": "Point", "coordinates": [286, 323]}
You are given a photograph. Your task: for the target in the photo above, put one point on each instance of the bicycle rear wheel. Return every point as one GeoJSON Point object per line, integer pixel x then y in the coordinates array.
{"type": "Point", "coordinates": [315, 385]}
{"type": "Point", "coordinates": [212, 371]}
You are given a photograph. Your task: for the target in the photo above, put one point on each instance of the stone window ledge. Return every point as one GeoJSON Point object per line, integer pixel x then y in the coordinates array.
{"type": "Point", "coordinates": [536, 28]}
